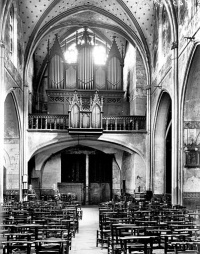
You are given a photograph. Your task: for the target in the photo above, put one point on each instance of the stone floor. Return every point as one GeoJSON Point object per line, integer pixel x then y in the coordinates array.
{"type": "Point", "coordinates": [85, 240]}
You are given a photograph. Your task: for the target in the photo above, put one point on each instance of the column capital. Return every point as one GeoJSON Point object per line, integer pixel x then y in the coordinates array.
{"type": "Point", "coordinates": [148, 87]}
{"type": "Point", "coordinates": [174, 45]}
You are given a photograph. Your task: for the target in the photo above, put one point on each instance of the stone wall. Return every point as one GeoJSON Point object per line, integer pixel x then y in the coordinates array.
{"type": "Point", "coordinates": [51, 172]}
{"type": "Point", "coordinates": [11, 145]}
{"type": "Point", "coordinates": [133, 172]}
{"type": "Point", "coordinates": [163, 81]}
{"type": "Point", "coordinates": [135, 81]}
{"type": "Point", "coordinates": [130, 76]}
{"type": "Point", "coordinates": [140, 95]}
{"type": "Point", "coordinates": [116, 178]}
{"type": "Point", "coordinates": [191, 149]}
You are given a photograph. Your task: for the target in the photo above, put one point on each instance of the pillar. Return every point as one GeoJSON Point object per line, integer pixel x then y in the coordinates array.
{"type": "Point", "coordinates": [176, 181]}
{"type": "Point", "coordinates": [2, 85]}
{"type": "Point", "coordinates": [23, 150]}
{"type": "Point", "coordinates": [175, 126]}
{"type": "Point", "coordinates": [148, 141]}
{"type": "Point", "coordinates": [87, 180]}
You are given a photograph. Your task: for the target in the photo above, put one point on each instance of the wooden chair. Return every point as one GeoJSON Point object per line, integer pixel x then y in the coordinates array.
{"type": "Point", "coordinates": [53, 246]}
{"type": "Point", "coordinates": [186, 247]}
{"type": "Point", "coordinates": [16, 246]}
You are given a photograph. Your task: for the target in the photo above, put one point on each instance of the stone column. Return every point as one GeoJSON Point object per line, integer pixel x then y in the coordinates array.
{"type": "Point", "coordinates": [148, 141]}
{"type": "Point", "coordinates": [175, 126]}
{"type": "Point", "coordinates": [2, 92]}
{"type": "Point", "coordinates": [24, 143]}
{"type": "Point", "coordinates": [87, 179]}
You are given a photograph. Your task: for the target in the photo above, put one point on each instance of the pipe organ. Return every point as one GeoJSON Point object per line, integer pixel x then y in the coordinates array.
{"type": "Point", "coordinates": [84, 76]}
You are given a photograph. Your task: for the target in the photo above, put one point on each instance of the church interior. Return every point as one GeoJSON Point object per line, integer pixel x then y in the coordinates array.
{"type": "Point", "coordinates": [99, 102]}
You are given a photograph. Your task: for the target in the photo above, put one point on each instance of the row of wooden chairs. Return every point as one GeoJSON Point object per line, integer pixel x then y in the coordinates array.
{"type": "Point", "coordinates": [157, 226]}
{"type": "Point", "coordinates": [40, 226]}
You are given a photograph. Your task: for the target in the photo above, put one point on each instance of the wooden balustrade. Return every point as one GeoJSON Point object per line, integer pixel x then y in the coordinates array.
{"type": "Point", "coordinates": [124, 123]}
{"type": "Point", "coordinates": [112, 123]}
{"type": "Point", "coordinates": [48, 122]}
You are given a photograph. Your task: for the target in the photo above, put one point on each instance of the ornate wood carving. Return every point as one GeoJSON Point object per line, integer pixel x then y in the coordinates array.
{"type": "Point", "coordinates": [88, 117]}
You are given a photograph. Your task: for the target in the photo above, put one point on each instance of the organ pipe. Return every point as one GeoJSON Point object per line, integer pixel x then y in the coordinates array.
{"type": "Point", "coordinates": [56, 72]}
{"type": "Point", "coordinates": [85, 68]}
{"type": "Point", "coordinates": [83, 75]}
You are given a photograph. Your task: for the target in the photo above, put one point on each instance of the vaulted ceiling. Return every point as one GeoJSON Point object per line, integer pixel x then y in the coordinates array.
{"type": "Point", "coordinates": [128, 20]}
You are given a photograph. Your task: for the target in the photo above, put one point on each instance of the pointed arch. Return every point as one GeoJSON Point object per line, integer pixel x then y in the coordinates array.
{"type": "Point", "coordinates": [161, 131]}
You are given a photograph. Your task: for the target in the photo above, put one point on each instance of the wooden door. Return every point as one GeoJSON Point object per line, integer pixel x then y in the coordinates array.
{"type": "Point", "coordinates": [100, 178]}
{"type": "Point", "coordinates": [73, 174]}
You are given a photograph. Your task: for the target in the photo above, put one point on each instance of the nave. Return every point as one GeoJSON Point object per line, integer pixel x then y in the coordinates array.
{"type": "Point", "coordinates": [112, 227]}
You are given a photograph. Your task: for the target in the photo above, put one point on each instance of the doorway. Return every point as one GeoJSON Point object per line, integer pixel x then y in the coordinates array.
{"type": "Point", "coordinates": [100, 177]}
{"type": "Point", "coordinates": [87, 173]}
{"type": "Point", "coordinates": [162, 177]}
{"type": "Point", "coordinates": [168, 181]}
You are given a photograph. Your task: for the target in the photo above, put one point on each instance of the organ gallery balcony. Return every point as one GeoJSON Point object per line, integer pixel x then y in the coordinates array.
{"type": "Point", "coordinates": [45, 122]}
{"type": "Point", "coordinates": [83, 96]}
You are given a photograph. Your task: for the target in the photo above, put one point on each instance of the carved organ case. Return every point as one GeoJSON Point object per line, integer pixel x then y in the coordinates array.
{"type": "Point", "coordinates": [85, 77]}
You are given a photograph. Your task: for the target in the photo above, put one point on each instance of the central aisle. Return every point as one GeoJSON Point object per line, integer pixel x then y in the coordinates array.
{"type": "Point", "coordinates": [85, 240]}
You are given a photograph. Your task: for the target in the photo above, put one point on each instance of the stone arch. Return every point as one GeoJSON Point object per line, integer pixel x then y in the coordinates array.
{"type": "Point", "coordinates": [126, 161]}
{"type": "Point", "coordinates": [192, 90]}
{"type": "Point", "coordinates": [161, 132]}
{"type": "Point", "coordinates": [183, 130]}
{"type": "Point", "coordinates": [191, 129]}
{"type": "Point", "coordinates": [12, 145]}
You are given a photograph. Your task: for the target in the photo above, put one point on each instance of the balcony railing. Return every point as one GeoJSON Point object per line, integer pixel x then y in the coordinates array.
{"type": "Point", "coordinates": [111, 123]}
{"type": "Point", "coordinates": [48, 122]}
{"type": "Point", "coordinates": [124, 123]}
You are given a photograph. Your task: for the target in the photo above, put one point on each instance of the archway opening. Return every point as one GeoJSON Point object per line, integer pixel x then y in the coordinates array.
{"type": "Point", "coordinates": [168, 160]}
{"type": "Point", "coordinates": [11, 151]}
{"type": "Point", "coordinates": [94, 171]}
{"type": "Point", "coordinates": [191, 140]}
{"type": "Point", "coordinates": [88, 173]}
{"type": "Point", "coordinates": [162, 167]}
